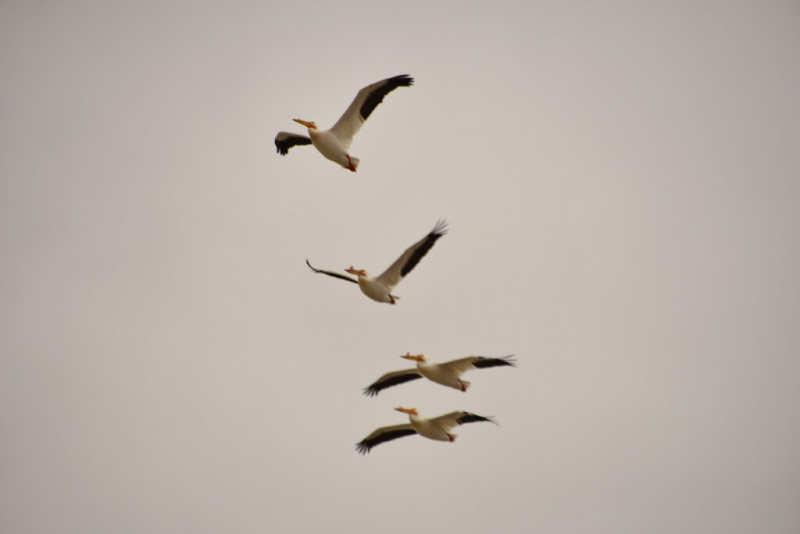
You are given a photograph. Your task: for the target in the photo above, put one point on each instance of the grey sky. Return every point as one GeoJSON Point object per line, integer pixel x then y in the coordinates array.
{"type": "Point", "coordinates": [621, 183]}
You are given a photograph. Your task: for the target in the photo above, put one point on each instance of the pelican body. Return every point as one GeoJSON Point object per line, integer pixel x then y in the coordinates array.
{"type": "Point", "coordinates": [436, 428]}
{"type": "Point", "coordinates": [429, 428]}
{"type": "Point", "coordinates": [330, 145]}
{"type": "Point", "coordinates": [374, 288]}
{"type": "Point", "coordinates": [334, 143]}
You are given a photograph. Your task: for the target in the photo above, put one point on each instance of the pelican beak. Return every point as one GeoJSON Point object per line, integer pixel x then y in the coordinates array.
{"type": "Point", "coordinates": [307, 124]}
{"type": "Point", "coordinates": [409, 411]}
{"type": "Point", "coordinates": [357, 272]}
{"type": "Point", "coordinates": [416, 358]}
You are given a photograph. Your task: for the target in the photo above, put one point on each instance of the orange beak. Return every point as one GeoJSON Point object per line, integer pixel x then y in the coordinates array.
{"type": "Point", "coordinates": [409, 411]}
{"type": "Point", "coordinates": [357, 272]}
{"type": "Point", "coordinates": [307, 124]}
{"type": "Point", "coordinates": [416, 358]}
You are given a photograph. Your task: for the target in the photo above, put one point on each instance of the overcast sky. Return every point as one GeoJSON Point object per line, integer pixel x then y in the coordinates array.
{"type": "Point", "coordinates": [621, 184]}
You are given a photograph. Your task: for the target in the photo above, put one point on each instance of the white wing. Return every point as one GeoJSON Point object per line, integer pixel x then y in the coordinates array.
{"type": "Point", "coordinates": [477, 362]}
{"type": "Point", "coordinates": [459, 366]}
{"type": "Point", "coordinates": [364, 104]}
{"type": "Point", "coordinates": [453, 419]}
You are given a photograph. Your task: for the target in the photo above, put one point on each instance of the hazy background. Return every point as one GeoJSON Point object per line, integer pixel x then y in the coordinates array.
{"type": "Point", "coordinates": [621, 182]}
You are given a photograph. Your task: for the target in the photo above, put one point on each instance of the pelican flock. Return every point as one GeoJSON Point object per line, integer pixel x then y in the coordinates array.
{"type": "Point", "coordinates": [447, 374]}
{"type": "Point", "coordinates": [334, 143]}
{"type": "Point", "coordinates": [380, 288]}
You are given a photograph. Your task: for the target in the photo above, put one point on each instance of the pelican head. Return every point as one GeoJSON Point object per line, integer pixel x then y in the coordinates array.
{"type": "Point", "coordinates": [308, 124]}
{"type": "Point", "coordinates": [357, 272]}
{"type": "Point", "coordinates": [416, 357]}
{"type": "Point", "coordinates": [409, 411]}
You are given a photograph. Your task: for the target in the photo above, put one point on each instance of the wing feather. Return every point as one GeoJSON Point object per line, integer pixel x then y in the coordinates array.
{"type": "Point", "coordinates": [478, 362]}
{"type": "Point", "coordinates": [333, 274]}
{"type": "Point", "coordinates": [286, 140]}
{"type": "Point", "coordinates": [384, 434]}
{"type": "Point", "coordinates": [412, 256]}
{"type": "Point", "coordinates": [364, 104]}
{"type": "Point", "coordinates": [391, 379]}
{"type": "Point", "coordinates": [467, 417]}
{"type": "Point", "coordinates": [483, 362]}
{"type": "Point", "coordinates": [452, 419]}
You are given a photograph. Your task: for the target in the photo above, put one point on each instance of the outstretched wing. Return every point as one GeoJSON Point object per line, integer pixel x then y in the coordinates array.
{"type": "Point", "coordinates": [382, 435]}
{"type": "Point", "coordinates": [364, 104]}
{"type": "Point", "coordinates": [286, 140]}
{"type": "Point", "coordinates": [452, 419]}
{"type": "Point", "coordinates": [391, 379]}
{"type": "Point", "coordinates": [478, 362]}
{"type": "Point", "coordinates": [411, 257]}
{"type": "Point", "coordinates": [333, 274]}
{"type": "Point", "coordinates": [466, 417]}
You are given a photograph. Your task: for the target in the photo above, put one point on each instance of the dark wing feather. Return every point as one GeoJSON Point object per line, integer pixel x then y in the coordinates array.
{"type": "Point", "coordinates": [467, 417]}
{"type": "Point", "coordinates": [483, 362]}
{"type": "Point", "coordinates": [333, 274]}
{"type": "Point", "coordinates": [285, 140]}
{"type": "Point", "coordinates": [382, 436]}
{"type": "Point", "coordinates": [424, 246]}
{"type": "Point", "coordinates": [376, 96]}
{"type": "Point", "coordinates": [411, 256]}
{"type": "Point", "coordinates": [391, 379]}
{"type": "Point", "coordinates": [363, 105]}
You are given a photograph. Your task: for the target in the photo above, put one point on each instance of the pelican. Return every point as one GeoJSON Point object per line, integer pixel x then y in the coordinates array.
{"type": "Point", "coordinates": [380, 287]}
{"type": "Point", "coordinates": [335, 143]}
{"type": "Point", "coordinates": [437, 428]}
{"type": "Point", "coordinates": [447, 374]}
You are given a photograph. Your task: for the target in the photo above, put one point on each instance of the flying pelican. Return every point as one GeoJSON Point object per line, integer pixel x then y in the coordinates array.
{"type": "Point", "coordinates": [334, 143]}
{"type": "Point", "coordinates": [447, 374]}
{"type": "Point", "coordinates": [380, 287]}
{"type": "Point", "coordinates": [435, 428]}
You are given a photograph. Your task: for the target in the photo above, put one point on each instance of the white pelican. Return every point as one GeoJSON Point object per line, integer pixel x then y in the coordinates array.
{"type": "Point", "coordinates": [380, 287]}
{"type": "Point", "coordinates": [437, 428]}
{"type": "Point", "coordinates": [334, 143]}
{"type": "Point", "coordinates": [447, 374]}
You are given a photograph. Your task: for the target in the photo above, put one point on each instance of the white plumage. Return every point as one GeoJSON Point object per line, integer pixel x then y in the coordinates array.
{"type": "Point", "coordinates": [436, 428]}
{"type": "Point", "coordinates": [447, 373]}
{"type": "Point", "coordinates": [380, 288]}
{"type": "Point", "coordinates": [334, 143]}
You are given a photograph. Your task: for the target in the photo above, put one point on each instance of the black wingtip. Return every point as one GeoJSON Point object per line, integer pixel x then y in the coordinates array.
{"type": "Point", "coordinates": [474, 418]}
{"type": "Point", "coordinates": [484, 362]}
{"type": "Point", "coordinates": [507, 360]}
{"type": "Point", "coordinates": [375, 97]}
{"type": "Point", "coordinates": [402, 80]}
{"type": "Point", "coordinates": [440, 229]}
{"type": "Point", "coordinates": [329, 273]}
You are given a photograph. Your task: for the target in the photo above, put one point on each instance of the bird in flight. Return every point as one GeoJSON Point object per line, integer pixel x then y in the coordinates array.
{"type": "Point", "coordinates": [380, 288]}
{"type": "Point", "coordinates": [334, 143]}
{"type": "Point", "coordinates": [436, 428]}
{"type": "Point", "coordinates": [447, 373]}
